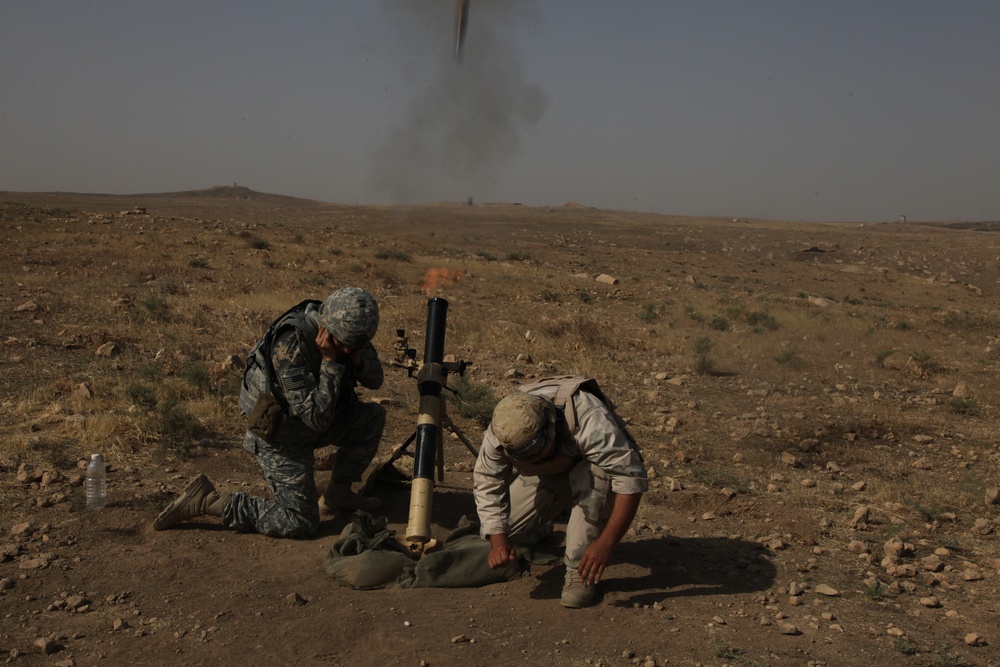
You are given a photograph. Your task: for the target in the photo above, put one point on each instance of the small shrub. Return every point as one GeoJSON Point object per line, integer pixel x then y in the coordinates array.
{"type": "Point", "coordinates": [142, 395]}
{"type": "Point", "coordinates": [923, 360]}
{"type": "Point", "coordinates": [702, 347]}
{"type": "Point", "coordinates": [155, 305]}
{"type": "Point", "coordinates": [882, 356]}
{"type": "Point", "coordinates": [789, 357]}
{"type": "Point", "coordinates": [151, 371]}
{"type": "Point", "coordinates": [198, 263]}
{"type": "Point", "coordinates": [395, 255]}
{"type": "Point", "coordinates": [719, 323]}
{"type": "Point", "coordinates": [962, 406]}
{"type": "Point", "coordinates": [518, 257]}
{"type": "Point", "coordinates": [488, 256]}
{"type": "Point", "coordinates": [762, 320]}
{"type": "Point", "coordinates": [929, 514]}
{"type": "Point", "coordinates": [876, 591]}
{"type": "Point", "coordinates": [195, 373]}
{"type": "Point", "coordinates": [176, 427]}
{"type": "Point", "coordinates": [584, 296]}
{"type": "Point", "coordinates": [549, 296]}
{"type": "Point", "coordinates": [258, 243]}
{"type": "Point", "coordinates": [475, 402]}
{"type": "Point", "coordinates": [649, 313]}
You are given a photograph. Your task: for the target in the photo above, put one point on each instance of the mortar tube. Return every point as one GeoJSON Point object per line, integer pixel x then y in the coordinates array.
{"type": "Point", "coordinates": [430, 380]}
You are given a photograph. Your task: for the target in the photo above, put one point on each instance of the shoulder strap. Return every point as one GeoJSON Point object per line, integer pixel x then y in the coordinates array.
{"type": "Point", "coordinates": [566, 387]}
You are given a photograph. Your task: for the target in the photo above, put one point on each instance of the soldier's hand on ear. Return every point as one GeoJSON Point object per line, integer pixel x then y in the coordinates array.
{"type": "Point", "coordinates": [327, 344]}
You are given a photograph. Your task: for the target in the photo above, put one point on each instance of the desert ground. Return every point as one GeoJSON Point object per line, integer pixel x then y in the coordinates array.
{"type": "Point", "coordinates": [816, 404]}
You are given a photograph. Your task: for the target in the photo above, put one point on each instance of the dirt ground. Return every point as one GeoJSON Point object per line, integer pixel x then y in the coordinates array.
{"type": "Point", "coordinates": [748, 549]}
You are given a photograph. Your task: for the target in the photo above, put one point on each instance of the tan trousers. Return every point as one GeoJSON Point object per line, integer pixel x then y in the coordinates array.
{"type": "Point", "coordinates": [534, 501]}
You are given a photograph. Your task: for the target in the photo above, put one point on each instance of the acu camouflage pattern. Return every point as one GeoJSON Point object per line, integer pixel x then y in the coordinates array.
{"type": "Point", "coordinates": [351, 316]}
{"type": "Point", "coordinates": [600, 457]}
{"type": "Point", "coordinates": [323, 409]}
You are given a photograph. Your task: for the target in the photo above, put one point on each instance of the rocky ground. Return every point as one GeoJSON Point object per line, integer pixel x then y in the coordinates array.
{"type": "Point", "coordinates": [825, 512]}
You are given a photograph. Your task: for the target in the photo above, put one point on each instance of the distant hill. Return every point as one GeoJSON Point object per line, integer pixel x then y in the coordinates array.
{"type": "Point", "coordinates": [233, 192]}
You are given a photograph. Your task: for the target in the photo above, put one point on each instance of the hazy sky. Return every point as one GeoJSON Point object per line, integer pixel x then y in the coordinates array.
{"type": "Point", "coordinates": [795, 109]}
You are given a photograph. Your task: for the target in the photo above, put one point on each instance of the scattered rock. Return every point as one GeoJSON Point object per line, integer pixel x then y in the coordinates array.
{"type": "Point", "coordinates": [974, 639]}
{"type": "Point", "coordinates": [459, 639]}
{"type": "Point", "coordinates": [982, 527]}
{"type": "Point", "coordinates": [23, 528]}
{"type": "Point", "coordinates": [791, 460]}
{"type": "Point", "coordinates": [992, 496]}
{"type": "Point", "coordinates": [606, 279]}
{"type": "Point", "coordinates": [930, 602]}
{"type": "Point", "coordinates": [858, 547]}
{"type": "Point", "coordinates": [860, 519]}
{"type": "Point", "coordinates": [786, 628]}
{"type": "Point", "coordinates": [46, 646]}
{"type": "Point", "coordinates": [27, 307]}
{"type": "Point", "coordinates": [828, 591]}
{"type": "Point", "coordinates": [923, 463]}
{"type": "Point", "coordinates": [76, 601]}
{"type": "Point", "coordinates": [809, 445]}
{"type": "Point", "coordinates": [932, 563]}
{"type": "Point", "coordinates": [29, 473]}
{"type": "Point", "coordinates": [107, 350]}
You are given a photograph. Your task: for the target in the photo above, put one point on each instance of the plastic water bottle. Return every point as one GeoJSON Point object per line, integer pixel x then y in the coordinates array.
{"type": "Point", "coordinates": [95, 484]}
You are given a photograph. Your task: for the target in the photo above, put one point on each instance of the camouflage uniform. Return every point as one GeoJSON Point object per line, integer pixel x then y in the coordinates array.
{"type": "Point", "coordinates": [600, 457]}
{"type": "Point", "coordinates": [324, 409]}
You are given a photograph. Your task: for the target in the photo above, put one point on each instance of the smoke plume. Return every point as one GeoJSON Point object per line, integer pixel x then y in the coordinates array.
{"type": "Point", "coordinates": [457, 133]}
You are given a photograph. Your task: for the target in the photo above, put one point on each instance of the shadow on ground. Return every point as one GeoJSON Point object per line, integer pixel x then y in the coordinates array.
{"type": "Point", "coordinates": [650, 570]}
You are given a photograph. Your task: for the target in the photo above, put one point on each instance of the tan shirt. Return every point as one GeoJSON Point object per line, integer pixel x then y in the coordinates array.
{"type": "Point", "coordinates": [599, 439]}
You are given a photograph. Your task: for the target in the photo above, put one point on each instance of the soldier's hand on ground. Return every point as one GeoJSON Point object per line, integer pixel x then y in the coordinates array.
{"type": "Point", "coordinates": [501, 556]}
{"type": "Point", "coordinates": [595, 560]}
{"type": "Point", "coordinates": [502, 553]}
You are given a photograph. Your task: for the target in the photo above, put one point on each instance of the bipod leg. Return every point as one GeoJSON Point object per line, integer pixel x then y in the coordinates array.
{"type": "Point", "coordinates": [461, 436]}
{"type": "Point", "coordinates": [376, 472]}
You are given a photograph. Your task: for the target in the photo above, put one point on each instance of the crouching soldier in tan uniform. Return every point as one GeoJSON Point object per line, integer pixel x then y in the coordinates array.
{"type": "Point", "coordinates": [572, 452]}
{"type": "Point", "coordinates": [299, 394]}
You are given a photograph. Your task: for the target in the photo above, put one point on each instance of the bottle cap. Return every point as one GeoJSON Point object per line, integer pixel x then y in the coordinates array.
{"type": "Point", "coordinates": [94, 456]}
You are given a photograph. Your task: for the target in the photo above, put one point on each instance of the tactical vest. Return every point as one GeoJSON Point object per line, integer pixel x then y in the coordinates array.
{"type": "Point", "coordinates": [258, 377]}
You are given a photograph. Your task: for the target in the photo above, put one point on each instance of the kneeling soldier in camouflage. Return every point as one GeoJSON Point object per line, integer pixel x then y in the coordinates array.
{"type": "Point", "coordinates": [299, 394]}
{"type": "Point", "coordinates": [572, 452]}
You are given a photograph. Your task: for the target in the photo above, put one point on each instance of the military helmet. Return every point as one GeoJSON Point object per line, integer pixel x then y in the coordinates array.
{"type": "Point", "coordinates": [525, 425]}
{"type": "Point", "coordinates": [350, 315]}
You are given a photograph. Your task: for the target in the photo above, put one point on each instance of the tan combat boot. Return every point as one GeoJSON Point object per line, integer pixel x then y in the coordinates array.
{"type": "Point", "coordinates": [575, 593]}
{"type": "Point", "coordinates": [339, 498]}
{"type": "Point", "coordinates": [198, 498]}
